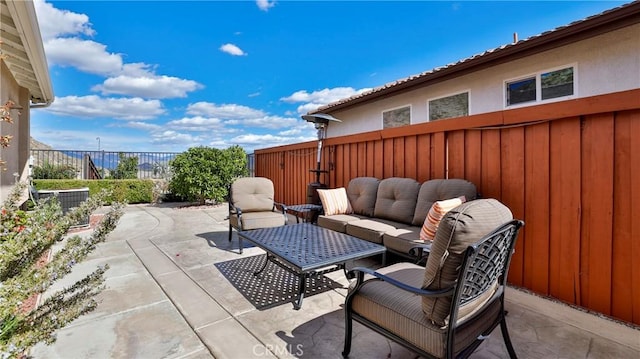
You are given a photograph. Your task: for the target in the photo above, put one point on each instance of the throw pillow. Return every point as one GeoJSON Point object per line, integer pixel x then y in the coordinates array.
{"type": "Point", "coordinates": [335, 201]}
{"type": "Point", "coordinates": [437, 211]}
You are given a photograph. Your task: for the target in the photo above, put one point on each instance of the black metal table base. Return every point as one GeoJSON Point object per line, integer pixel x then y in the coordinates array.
{"type": "Point", "coordinates": [302, 276]}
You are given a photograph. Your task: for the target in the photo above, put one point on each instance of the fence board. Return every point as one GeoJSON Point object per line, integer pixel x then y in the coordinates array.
{"type": "Point", "coordinates": [634, 194]}
{"type": "Point", "coordinates": [597, 213]}
{"type": "Point", "coordinates": [456, 151]}
{"type": "Point", "coordinates": [473, 157]}
{"type": "Point", "coordinates": [622, 270]}
{"type": "Point", "coordinates": [490, 186]}
{"type": "Point", "coordinates": [438, 155]}
{"type": "Point", "coordinates": [512, 183]}
{"type": "Point", "coordinates": [411, 157]}
{"type": "Point", "coordinates": [564, 228]}
{"type": "Point", "coordinates": [536, 260]}
{"type": "Point", "coordinates": [423, 147]}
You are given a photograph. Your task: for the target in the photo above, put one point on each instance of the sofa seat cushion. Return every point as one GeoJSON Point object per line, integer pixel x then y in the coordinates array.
{"type": "Point", "coordinates": [369, 230]}
{"type": "Point", "coordinates": [338, 222]}
{"type": "Point", "coordinates": [254, 220]}
{"type": "Point", "coordinates": [396, 199]}
{"type": "Point", "coordinates": [403, 239]}
{"type": "Point", "coordinates": [400, 312]}
{"type": "Point", "coordinates": [362, 193]}
{"type": "Point", "coordinates": [439, 190]}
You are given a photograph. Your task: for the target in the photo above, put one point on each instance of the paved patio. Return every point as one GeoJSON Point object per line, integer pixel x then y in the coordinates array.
{"type": "Point", "coordinates": [177, 289]}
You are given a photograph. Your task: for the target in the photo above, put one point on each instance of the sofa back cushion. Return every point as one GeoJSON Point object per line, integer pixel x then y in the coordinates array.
{"type": "Point", "coordinates": [440, 190]}
{"type": "Point", "coordinates": [460, 228]}
{"type": "Point", "coordinates": [362, 192]}
{"type": "Point", "coordinates": [396, 199]}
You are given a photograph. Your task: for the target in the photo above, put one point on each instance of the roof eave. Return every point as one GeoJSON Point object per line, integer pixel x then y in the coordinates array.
{"type": "Point", "coordinates": [24, 16]}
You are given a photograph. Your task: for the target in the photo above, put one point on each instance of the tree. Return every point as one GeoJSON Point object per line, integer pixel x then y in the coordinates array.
{"type": "Point", "coordinates": [203, 173]}
{"type": "Point", "coordinates": [127, 167]}
{"type": "Point", "coordinates": [24, 238]}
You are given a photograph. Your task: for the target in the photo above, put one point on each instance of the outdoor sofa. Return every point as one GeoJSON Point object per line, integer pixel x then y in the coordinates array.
{"type": "Point", "coordinates": [391, 211]}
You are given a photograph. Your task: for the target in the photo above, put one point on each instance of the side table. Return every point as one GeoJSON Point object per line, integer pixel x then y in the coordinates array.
{"type": "Point", "coordinates": [308, 212]}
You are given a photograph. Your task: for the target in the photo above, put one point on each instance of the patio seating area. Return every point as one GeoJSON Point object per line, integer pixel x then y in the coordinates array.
{"type": "Point", "coordinates": [177, 288]}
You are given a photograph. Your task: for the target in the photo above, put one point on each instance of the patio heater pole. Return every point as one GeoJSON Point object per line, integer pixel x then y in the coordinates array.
{"type": "Point", "coordinates": [320, 122]}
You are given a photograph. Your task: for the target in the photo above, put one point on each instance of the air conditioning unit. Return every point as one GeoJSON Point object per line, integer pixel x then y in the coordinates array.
{"type": "Point", "coordinates": [68, 198]}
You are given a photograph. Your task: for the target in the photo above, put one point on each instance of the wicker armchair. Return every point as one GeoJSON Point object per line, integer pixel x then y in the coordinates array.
{"type": "Point", "coordinates": [252, 205]}
{"type": "Point", "coordinates": [446, 309]}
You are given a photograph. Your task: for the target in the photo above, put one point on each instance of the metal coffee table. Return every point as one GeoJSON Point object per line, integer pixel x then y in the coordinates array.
{"type": "Point", "coordinates": [308, 250]}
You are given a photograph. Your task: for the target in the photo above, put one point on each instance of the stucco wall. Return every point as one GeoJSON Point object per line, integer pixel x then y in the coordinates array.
{"type": "Point", "coordinates": [16, 155]}
{"type": "Point", "coordinates": [604, 64]}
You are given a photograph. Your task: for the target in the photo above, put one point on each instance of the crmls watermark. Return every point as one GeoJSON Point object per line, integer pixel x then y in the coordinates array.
{"type": "Point", "coordinates": [269, 350]}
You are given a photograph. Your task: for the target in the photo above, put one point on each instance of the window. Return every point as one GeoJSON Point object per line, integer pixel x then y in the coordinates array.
{"type": "Point", "coordinates": [397, 117]}
{"type": "Point", "coordinates": [448, 107]}
{"type": "Point", "coordinates": [541, 87]}
{"type": "Point", "coordinates": [557, 83]}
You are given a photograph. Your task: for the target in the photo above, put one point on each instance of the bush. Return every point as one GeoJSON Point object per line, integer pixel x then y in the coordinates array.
{"type": "Point", "coordinates": [203, 173]}
{"type": "Point", "coordinates": [51, 171]}
{"type": "Point", "coordinates": [25, 237]}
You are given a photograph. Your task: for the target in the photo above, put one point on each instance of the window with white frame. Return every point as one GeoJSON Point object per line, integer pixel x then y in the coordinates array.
{"type": "Point", "coordinates": [541, 87]}
{"type": "Point", "coordinates": [396, 117]}
{"type": "Point", "coordinates": [449, 106]}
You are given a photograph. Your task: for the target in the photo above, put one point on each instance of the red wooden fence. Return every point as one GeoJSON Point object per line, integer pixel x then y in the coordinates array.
{"type": "Point", "coordinates": [570, 170]}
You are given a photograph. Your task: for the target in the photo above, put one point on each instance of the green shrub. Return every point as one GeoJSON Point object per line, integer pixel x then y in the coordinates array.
{"type": "Point", "coordinates": [127, 167]}
{"type": "Point", "coordinates": [25, 237]}
{"type": "Point", "coordinates": [128, 190]}
{"type": "Point", "coordinates": [203, 173]}
{"type": "Point", "coordinates": [51, 171]}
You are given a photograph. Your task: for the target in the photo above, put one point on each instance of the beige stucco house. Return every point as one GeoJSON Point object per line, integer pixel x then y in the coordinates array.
{"type": "Point", "coordinates": [24, 80]}
{"type": "Point", "coordinates": [591, 57]}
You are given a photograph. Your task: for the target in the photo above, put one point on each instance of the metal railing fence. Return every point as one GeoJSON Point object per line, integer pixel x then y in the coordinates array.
{"type": "Point", "coordinates": [78, 164]}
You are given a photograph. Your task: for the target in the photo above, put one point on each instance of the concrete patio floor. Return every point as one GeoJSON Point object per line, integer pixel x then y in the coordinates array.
{"type": "Point", "coordinates": [177, 289]}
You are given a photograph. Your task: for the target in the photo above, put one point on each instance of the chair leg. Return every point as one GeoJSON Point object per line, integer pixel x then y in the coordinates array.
{"type": "Point", "coordinates": [230, 232]}
{"type": "Point", "coordinates": [507, 339]}
{"type": "Point", "coordinates": [348, 327]}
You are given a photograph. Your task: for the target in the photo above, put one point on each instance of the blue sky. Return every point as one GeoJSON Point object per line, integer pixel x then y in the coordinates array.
{"type": "Point", "coordinates": [170, 75]}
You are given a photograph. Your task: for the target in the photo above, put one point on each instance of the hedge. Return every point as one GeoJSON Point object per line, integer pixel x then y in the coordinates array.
{"type": "Point", "coordinates": [129, 190]}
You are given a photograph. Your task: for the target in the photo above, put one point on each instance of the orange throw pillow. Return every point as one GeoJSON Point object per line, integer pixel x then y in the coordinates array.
{"type": "Point", "coordinates": [436, 213]}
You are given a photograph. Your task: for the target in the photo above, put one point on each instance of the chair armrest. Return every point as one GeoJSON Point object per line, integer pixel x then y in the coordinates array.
{"type": "Point", "coordinates": [420, 252]}
{"type": "Point", "coordinates": [234, 209]}
{"type": "Point", "coordinates": [280, 207]}
{"type": "Point", "coordinates": [361, 271]}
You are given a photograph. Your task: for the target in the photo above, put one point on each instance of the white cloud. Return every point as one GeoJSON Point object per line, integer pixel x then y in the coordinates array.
{"type": "Point", "coordinates": [85, 55]}
{"type": "Point", "coordinates": [265, 5]}
{"type": "Point", "coordinates": [97, 107]}
{"type": "Point", "coordinates": [232, 49]}
{"type": "Point", "coordinates": [54, 22]}
{"type": "Point", "coordinates": [146, 126]}
{"type": "Point", "coordinates": [271, 122]}
{"type": "Point", "coordinates": [175, 138]}
{"type": "Point", "coordinates": [149, 87]}
{"type": "Point", "coordinates": [319, 98]}
{"type": "Point", "coordinates": [223, 111]}
{"type": "Point", "coordinates": [196, 124]}
{"type": "Point", "coordinates": [64, 46]}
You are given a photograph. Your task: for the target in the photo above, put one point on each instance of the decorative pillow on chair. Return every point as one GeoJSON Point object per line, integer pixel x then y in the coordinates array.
{"type": "Point", "coordinates": [437, 211]}
{"type": "Point", "coordinates": [335, 201]}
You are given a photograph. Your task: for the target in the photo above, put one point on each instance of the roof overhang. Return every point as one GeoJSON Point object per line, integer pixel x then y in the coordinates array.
{"type": "Point", "coordinates": [23, 49]}
{"type": "Point", "coordinates": [610, 20]}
